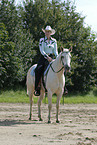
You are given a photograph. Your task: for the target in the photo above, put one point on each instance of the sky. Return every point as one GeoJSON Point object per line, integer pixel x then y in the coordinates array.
{"type": "Point", "coordinates": [86, 8]}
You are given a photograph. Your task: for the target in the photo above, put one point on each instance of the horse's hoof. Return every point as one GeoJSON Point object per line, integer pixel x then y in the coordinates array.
{"type": "Point", "coordinates": [57, 121]}
{"type": "Point", "coordinates": [49, 121]}
{"type": "Point", "coordinates": [29, 118]}
{"type": "Point", "coordinates": [40, 119]}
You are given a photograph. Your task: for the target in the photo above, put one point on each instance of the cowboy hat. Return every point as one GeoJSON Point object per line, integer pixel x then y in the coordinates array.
{"type": "Point", "coordinates": [48, 28]}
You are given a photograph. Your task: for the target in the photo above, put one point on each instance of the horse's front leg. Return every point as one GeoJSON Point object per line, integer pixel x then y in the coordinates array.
{"type": "Point", "coordinates": [57, 106]}
{"type": "Point", "coordinates": [49, 105]}
{"type": "Point", "coordinates": [42, 94]}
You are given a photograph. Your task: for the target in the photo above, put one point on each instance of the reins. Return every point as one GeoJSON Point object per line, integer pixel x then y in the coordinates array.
{"type": "Point", "coordinates": [54, 70]}
{"type": "Point", "coordinates": [62, 64]}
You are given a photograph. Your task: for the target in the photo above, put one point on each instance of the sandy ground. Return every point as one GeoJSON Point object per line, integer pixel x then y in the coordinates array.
{"type": "Point", "coordinates": [78, 125]}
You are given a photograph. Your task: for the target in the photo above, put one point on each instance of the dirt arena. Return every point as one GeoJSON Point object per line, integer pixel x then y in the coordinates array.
{"type": "Point", "coordinates": [78, 125]}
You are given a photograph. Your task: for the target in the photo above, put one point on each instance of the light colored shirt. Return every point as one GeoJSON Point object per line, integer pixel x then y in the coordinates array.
{"type": "Point", "coordinates": [47, 48]}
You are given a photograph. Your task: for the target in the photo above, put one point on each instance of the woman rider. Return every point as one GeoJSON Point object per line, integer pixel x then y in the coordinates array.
{"type": "Point", "coordinates": [48, 48]}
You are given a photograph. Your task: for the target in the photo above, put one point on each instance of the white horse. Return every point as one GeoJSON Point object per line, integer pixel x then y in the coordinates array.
{"type": "Point", "coordinates": [54, 82]}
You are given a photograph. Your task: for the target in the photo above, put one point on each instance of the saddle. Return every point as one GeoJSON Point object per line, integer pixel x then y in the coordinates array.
{"type": "Point", "coordinates": [43, 77]}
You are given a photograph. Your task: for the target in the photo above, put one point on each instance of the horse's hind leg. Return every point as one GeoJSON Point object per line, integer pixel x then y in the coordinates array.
{"type": "Point", "coordinates": [31, 102]}
{"type": "Point", "coordinates": [42, 94]}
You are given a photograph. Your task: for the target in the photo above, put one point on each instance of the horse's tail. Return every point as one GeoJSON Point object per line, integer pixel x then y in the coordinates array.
{"type": "Point", "coordinates": [30, 82]}
{"type": "Point", "coordinates": [27, 92]}
{"type": "Point", "coordinates": [27, 88]}
{"type": "Point", "coordinates": [27, 83]}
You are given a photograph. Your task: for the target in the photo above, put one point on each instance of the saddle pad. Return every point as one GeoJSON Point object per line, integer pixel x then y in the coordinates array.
{"type": "Point", "coordinates": [45, 72]}
{"type": "Point", "coordinates": [32, 73]}
{"type": "Point", "coordinates": [33, 70]}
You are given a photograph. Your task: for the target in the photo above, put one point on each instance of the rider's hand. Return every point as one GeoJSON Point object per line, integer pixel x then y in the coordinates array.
{"type": "Point", "coordinates": [49, 59]}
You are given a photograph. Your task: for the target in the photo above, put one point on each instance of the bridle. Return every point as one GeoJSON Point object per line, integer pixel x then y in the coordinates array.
{"type": "Point", "coordinates": [62, 64]}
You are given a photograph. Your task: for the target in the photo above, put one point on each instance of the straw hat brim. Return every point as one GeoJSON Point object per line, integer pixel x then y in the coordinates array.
{"type": "Point", "coordinates": [52, 31]}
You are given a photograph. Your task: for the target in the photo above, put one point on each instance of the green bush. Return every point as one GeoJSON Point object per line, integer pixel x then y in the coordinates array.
{"type": "Point", "coordinates": [21, 29]}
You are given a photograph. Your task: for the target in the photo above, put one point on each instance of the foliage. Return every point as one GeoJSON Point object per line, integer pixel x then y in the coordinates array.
{"type": "Point", "coordinates": [8, 60]}
{"type": "Point", "coordinates": [23, 31]}
{"type": "Point", "coordinates": [19, 46]}
{"type": "Point", "coordinates": [9, 16]}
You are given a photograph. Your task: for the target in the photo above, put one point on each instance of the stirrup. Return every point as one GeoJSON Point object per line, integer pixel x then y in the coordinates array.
{"type": "Point", "coordinates": [66, 92]}
{"type": "Point", "coordinates": [37, 92]}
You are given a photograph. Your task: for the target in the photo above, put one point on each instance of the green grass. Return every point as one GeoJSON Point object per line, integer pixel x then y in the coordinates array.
{"type": "Point", "coordinates": [19, 96]}
{"type": "Point", "coordinates": [11, 96]}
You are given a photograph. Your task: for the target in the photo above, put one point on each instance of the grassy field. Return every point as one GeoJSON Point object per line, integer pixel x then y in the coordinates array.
{"type": "Point", "coordinates": [20, 96]}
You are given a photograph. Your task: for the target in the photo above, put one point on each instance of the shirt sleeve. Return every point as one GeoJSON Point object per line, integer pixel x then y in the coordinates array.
{"type": "Point", "coordinates": [41, 47]}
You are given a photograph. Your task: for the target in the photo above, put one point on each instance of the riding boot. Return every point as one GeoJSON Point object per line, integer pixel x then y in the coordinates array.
{"type": "Point", "coordinates": [37, 90]}
{"type": "Point", "coordinates": [37, 84]}
{"type": "Point", "coordinates": [38, 74]}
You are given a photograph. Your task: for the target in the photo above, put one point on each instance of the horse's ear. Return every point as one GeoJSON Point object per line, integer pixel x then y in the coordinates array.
{"type": "Point", "coordinates": [70, 49]}
{"type": "Point", "coordinates": [62, 49]}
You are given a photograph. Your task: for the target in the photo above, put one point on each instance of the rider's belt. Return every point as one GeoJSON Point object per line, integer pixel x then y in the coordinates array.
{"type": "Point", "coordinates": [51, 55]}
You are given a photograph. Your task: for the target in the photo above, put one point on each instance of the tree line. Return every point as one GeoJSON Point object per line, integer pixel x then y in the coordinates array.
{"type": "Point", "coordinates": [21, 29]}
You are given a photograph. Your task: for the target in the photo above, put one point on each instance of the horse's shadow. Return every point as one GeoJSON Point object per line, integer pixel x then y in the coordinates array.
{"type": "Point", "coordinates": [18, 122]}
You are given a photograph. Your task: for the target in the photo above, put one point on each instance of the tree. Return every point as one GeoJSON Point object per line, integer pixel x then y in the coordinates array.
{"type": "Point", "coordinates": [8, 60]}
{"type": "Point", "coordinates": [9, 16]}
{"type": "Point", "coordinates": [23, 52]}
{"type": "Point", "coordinates": [24, 26]}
